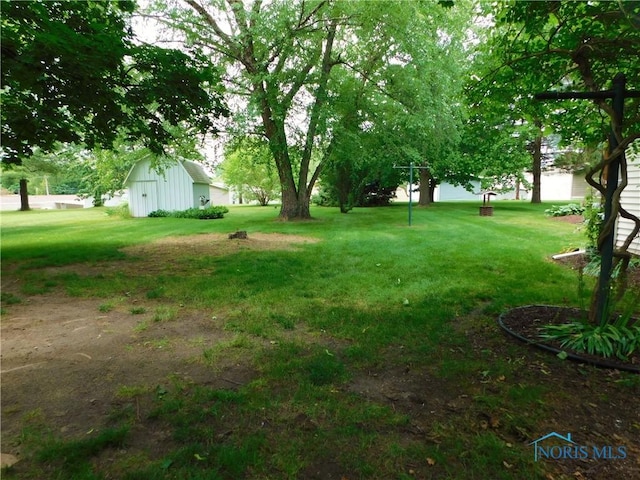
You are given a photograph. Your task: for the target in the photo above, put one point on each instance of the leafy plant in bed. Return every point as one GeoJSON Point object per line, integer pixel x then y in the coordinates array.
{"type": "Point", "coordinates": [619, 338]}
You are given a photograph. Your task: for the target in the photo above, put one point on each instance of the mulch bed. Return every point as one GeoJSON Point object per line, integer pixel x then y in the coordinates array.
{"type": "Point", "coordinates": [526, 322]}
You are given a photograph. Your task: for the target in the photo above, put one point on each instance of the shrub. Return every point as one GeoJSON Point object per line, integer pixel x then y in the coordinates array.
{"type": "Point", "coordinates": [208, 213]}
{"type": "Point", "coordinates": [160, 214]}
{"type": "Point", "coordinates": [564, 210]}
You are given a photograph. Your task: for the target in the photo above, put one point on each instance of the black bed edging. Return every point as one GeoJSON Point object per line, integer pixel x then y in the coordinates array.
{"type": "Point", "coordinates": [571, 356]}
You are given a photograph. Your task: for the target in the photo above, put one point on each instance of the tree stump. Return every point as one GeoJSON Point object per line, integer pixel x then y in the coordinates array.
{"type": "Point", "coordinates": [242, 234]}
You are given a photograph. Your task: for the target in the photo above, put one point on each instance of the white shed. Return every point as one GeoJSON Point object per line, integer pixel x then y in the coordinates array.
{"type": "Point", "coordinates": [177, 187]}
{"type": "Point", "coordinates": [630, 200]}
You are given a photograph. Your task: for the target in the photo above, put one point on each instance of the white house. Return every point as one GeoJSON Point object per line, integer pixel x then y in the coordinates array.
{"type": "Point", "coordinates": [179, 186]}
{"type": "Point", "coordinates": [555, 185]}
{"type": "Point", "coordinates": [220, 194]}
{"type": "Point", "coordinates": [630, 200]}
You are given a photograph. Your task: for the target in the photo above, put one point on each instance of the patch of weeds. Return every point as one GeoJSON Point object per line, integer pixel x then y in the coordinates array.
{"type": "Point", "coordinates": [286, 322]}
{"type": "Point", "coordinates": [324, 368]}
{"type": "Point", "coordinates": [490, 453]}
{"type": "Point", "coordinates": [629, 380]}
{"type": "Point", "coordinates": [240, 341]}
{"type": "Point", "coordinates": [125, 413]}
{"type": "Point", "coordinates": [525, 395]}
{"type": "Point", "coordinates": [141, 327]}
{"type": "Point", "coordinates": [211, 355]}
{"type": "Point", "coordinates": [127, 392]}
{"type": "Point", "coordinates": [452, 367]}
{"type": "Point", "coordinates": [164, 314]}
{"type": "Point", "coordinates": [9, 298]}
{"type": "Point", "coordinates": [157, 292]}
{"type": "Point", "coordinates": [39, 288]}
{"type": "Point", "coordinates": [490, 402]}
{"type": "Point", "coordinates": [130, 465]}
{"type": "Point", "coordinates": [362, 355]}
{"type": "Point", "coordinates": [137, 310]}
{"type": "Point", "coordinates": [74, 456]}
{"type": "Point", "coordinates": [236, 346]}
{"type": "Point", "coordinates": [198, 341]}
{"type": "Point", "coordinates": [158, 343]}
{"type": "Point", "coordinates": [106, 307]}
{"type": "Point", "coordinates": [320, 366]}
{"type": "Point", "coordinates": [199, 417]}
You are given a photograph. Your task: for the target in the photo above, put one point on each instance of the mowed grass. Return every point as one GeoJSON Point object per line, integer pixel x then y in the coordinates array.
{"type": "Point", "coordinates": [372, 294]}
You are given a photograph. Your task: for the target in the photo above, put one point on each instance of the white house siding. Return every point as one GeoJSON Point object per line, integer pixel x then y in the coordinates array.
{"type": "Point", "coordinates": [579, 188]}
{"type": "Point", "coordinates": [630, 199]}
{"type": "Point", "coordinates": [555, 186]}
{"type": "Point", "coordinates": [446, 192]}
{"type": "Point", "coordinates": [219, 195]}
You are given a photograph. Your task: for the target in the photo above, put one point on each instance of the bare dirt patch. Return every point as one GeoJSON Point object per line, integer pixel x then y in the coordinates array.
{"type": "Point", "coordinates": [569, 219]}
{"type": "Point", "coordinates": [215, 244]}
{"type": "Point", "coordinates": [66, 361]}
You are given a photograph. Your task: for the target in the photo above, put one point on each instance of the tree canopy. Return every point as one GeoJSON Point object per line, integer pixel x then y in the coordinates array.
{"type": "Point", "coordinates": [249, 169]}
{"type": "Point", "coordinates": [291, 63]}
{"type": "Point", "coordinates": [72, 73]}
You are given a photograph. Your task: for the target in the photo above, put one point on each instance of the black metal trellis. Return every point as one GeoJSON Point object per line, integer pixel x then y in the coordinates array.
{"type": "Point", "coordinates": [618, 93]}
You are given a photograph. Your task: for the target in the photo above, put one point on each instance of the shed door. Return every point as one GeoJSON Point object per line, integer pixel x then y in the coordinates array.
{"type": "Point", "coordinates": [146, 197]}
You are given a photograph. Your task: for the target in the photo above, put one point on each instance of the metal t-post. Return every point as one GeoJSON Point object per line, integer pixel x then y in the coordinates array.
{"type": "Point", "coordinates": [410, 191]}
{"type": "Point", "coordinates": [411, 167]}
{"type": "Point", "coordinates": [606, 250]}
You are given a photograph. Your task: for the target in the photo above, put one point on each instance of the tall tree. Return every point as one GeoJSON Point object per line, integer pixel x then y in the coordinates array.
{"type": "Point", "coordinates": [248, 168]}
{"type": "Point", "coordinates": [501, 95]}
{"type": "Point", "coordinates": [71, 73]}
{"type": "Point", "coordinates": [284, 58]}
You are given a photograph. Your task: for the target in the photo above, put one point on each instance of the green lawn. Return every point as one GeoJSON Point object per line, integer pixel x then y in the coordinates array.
{"type": "Point", "coordinates": [372, 295]}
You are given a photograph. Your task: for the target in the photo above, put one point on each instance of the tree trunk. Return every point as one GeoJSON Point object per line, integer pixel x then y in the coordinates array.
{"type": "Point", "coordinates": [537, 170]}
{"type": "Point", "coordinates": [24, 196]}
{"type": "Point", "coordinates": [427, 187]}
{"type": "Point", "coordinates": [295, 206]}
{"type": "Point", "coordinates": [344, 187]}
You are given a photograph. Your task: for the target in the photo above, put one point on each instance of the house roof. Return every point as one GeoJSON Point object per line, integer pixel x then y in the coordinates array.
{"type": "Point", "coordinates": [220, 186]}
{"type": "Point", "coordinates": [196, 172]}
{"type": "Point", "coordinates": [193, 169]}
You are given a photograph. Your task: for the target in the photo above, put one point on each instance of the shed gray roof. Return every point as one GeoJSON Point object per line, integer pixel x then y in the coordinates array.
{"type": "Point", "coordinates": [196, 172]}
